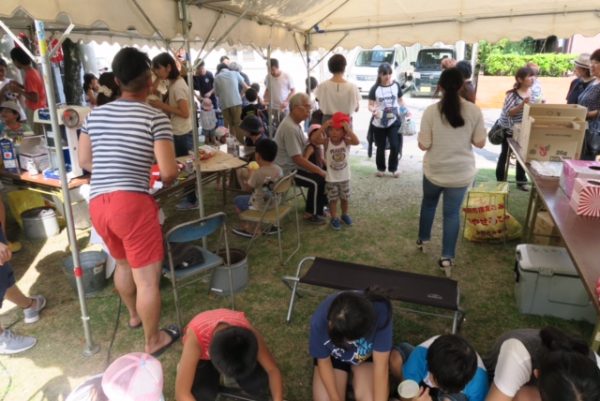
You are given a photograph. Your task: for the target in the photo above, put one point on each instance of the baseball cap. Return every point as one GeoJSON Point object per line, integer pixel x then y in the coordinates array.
{"type": "Point", "coordinates": [134, 377]}
{"type": "Point", "coordinates": [583, 60]}
{"type": "Point", "coordinates": [313, 127]}
{"type": "Point", "coordinates": [251, 124]}
{"type": "Point", "coordinates": [338, 119]}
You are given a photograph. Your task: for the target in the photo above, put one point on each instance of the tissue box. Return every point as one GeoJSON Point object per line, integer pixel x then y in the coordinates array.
{"type": "Point", "coordinates": [573, 169]}
{"type": "Point", "coordinates": [585, 199]}
{"type": "Point", "coordinates": [41, 160]}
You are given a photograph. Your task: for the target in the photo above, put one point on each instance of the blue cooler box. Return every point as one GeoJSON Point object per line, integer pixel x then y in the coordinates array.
{"type": "Point", "coordinates": [548, 284]}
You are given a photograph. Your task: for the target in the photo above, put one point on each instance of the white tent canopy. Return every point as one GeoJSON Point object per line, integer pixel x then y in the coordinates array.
{"type": "Point", "coordinates": [285, 23]}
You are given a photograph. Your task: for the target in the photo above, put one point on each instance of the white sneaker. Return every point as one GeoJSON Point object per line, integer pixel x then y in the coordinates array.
{"type": "Point", "coordinates": [32, 314]}
{"type": "Point", "coordinates": [11, 343]}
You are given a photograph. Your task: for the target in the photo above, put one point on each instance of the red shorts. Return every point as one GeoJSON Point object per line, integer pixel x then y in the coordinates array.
{"type": "Point", "coordinates": [128, 224]}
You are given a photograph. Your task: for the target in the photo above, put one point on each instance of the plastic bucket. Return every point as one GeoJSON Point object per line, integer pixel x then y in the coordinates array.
{"type": "Point", "coordinates": [219, 283]}
{"type": "Point", "coordinates": [40, 223]}
{"type": "Point", "coordinates": [93, 264]}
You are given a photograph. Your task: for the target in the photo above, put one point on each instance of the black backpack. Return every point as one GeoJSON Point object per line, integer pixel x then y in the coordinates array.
{"type": "Point", "coordinates": [186, 255]}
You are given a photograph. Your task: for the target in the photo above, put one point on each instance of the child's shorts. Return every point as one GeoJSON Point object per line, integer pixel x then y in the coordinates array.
{"type": "Point", "coordinates": [337, 190]}
{"type": "Point", "coordinates": [242, 202]}
{"type": "Point", "coordinates": [128, 224]}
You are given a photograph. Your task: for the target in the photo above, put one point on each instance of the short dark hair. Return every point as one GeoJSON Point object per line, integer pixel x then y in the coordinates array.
{"type": "Point", "coordinates": [131, 67]}
{"type": "Point", "coordinates": [201, 64]}
{"type": "Point", "coordinates": [3, 62]}
{"type": "Point", "coordinates": [337, 63]}
{"type": "Point", "coordinates": [222, 66]}
{"type": "Point", "coordinates": [312, 83]}
{"type": "Point", "coordinates": [452, 362]}
{"type": "Point", "coordinates": [164, 60]}
{"type": "Point", "coordinates": [274, 63]}
{"type": "Point", "coordinates": [251, 94]}
{"type": "Point", "coordinates": [351, 316]}
{"type": "Point", "coordinates": [233, 351]}
{"type": "Point", "coordinates": [17, 54]}
{"type": "Point", "coordinates": [465, 69]}
{"type": "Point", "coordinates": [595, 55]}
{"type": "Point", "coordinates": [267, 149]}
{"type": "Point", "coordinates": [223, 58]}
{"type": "Point", "coordinates": [255, 86]}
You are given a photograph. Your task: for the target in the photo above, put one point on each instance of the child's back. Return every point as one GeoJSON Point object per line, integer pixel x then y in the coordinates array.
{"type": "Point", "coordinates": [262, 181]}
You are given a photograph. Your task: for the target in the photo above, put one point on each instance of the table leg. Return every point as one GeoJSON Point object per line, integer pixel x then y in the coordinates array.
{"type": "Point", "coordinates": [532, 209]}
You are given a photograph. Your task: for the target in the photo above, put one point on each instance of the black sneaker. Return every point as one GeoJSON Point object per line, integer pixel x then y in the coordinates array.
{"type": "Point", "coordinates": [273, 230]}
{"type": "Point", "coordinates": [241, 232]}
{"type": "Point", "coordinates": [316, 219]}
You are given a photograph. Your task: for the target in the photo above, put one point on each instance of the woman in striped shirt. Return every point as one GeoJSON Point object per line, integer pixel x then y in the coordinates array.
{"type": "Point", "coordinates": [512, 113]}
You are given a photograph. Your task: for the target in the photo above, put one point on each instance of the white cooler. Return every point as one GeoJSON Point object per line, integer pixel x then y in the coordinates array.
{"type": "Point", "coordinates": [548, 284]}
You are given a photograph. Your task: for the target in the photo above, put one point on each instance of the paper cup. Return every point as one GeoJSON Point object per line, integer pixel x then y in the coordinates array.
{"type": "Point", "coordinates": [408, 389]}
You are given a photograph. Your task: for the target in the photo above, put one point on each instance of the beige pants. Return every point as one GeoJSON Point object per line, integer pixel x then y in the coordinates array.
{"type": "Point", "coordinates": [233, 118]}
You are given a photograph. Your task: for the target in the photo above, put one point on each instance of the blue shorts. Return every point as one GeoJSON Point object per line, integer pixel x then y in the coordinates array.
{"type": "Point", "coordinates": [242, 202]}
{"type": "Point", "coordinates": [7, 278]}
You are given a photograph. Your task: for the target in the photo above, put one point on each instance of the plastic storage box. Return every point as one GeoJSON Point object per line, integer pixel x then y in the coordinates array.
{"type": "Point", "coordinates": [548, 284]}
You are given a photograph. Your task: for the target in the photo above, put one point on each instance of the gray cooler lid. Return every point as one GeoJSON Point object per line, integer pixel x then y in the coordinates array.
{"type": "Point", "coordinates": [546, 260]}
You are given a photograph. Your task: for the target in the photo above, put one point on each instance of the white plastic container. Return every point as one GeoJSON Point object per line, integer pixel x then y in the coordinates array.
{"type": "Point", "coordinates": [548, 284]}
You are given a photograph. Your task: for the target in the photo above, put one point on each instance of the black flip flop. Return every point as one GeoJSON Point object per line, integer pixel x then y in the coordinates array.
{"type": "Point", "coordinates": [172, 331]}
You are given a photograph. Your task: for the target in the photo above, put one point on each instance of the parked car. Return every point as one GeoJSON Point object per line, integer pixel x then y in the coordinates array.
{"type": "Point", "coordinates": [428, 70]}
{"type": "Point", "coordinates": [363, 72]}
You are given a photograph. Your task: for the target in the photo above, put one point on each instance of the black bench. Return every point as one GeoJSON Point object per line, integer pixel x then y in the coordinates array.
{"type": "Point", "coordinates": [420, 289]}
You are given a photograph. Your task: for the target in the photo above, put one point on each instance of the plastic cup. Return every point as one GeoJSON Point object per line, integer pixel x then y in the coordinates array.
{"type": "Point", "coordinates": [408, 390]}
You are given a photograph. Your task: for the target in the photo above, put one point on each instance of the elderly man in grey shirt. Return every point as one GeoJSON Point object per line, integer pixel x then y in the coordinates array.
{"type": "Point", "coordinates": [291, 142]}
{"type": "Point", "coordinates": [227, 84]}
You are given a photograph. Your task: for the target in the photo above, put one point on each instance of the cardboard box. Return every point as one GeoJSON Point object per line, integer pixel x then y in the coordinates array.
{"type": "Point", "coordinates": [552, 132]}
{"type": "Point", "coordinates": [547, 240]}
{"type": "Point", "coordinates": [585, 198]}
{"type": "Point", "coordinates": [548, 284]}
{"type": "Point", "coordinates": [551, 139]}
{"type": "Point", "coordinates": [573, 169]}
{"type": "Point", "coordinates": [544, 110]}
{"type": "Point", "coordinates": [545, 231]}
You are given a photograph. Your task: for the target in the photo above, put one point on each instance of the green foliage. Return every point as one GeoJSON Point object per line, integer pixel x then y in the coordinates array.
{"type": "Point", "coordinates": [551, 65]}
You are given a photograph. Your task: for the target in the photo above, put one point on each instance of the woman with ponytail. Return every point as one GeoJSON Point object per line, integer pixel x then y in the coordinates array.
{"type": "Point", "coordinates": [512, 113]}
{"type": "Point", "coordinates": [546, 365]}
{"type": "Point", "coordinates": [449, 128]}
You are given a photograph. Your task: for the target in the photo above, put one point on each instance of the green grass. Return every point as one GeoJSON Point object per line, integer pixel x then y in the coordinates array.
{"type": "Point", "coordinates": [385, 212]}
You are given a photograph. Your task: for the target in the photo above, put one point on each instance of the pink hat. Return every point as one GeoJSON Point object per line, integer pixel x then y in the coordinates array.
{"type": "Point", "coordinates": [134, 377]}
{"type": "Point", "coordinates": [313, 127]}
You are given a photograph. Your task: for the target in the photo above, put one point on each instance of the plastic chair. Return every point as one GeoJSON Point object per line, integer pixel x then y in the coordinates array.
{"type": "Point", "coordinates": [280, 204]}
{"type": "Point", "coordinates": [195, 231]}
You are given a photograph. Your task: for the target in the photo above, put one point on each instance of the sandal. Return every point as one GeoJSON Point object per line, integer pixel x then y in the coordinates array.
{"type": "Point", "coordinates": [446, 265]}
{"type": "Point", "coordinates": [421, 245]}
{"type": "Point", "coordinates": [173, 332]}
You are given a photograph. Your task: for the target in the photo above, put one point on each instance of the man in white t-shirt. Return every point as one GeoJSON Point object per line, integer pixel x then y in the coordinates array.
{"type": "Point", "coordinates": [279, 90]}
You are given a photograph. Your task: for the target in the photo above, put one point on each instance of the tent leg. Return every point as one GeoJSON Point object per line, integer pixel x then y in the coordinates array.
{"type": "Point", "coordinates": [90, 347]}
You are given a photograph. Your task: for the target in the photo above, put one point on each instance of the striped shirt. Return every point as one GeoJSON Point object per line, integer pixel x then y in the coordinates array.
{"type": "Point", "coordinates": [122, 134]}
{"type": "Point", "coordinates": [204, 324]}
{"type": "Point", "coordinates": [512, 100]}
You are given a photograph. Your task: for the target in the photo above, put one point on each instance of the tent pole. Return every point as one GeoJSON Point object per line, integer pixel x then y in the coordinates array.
{"type": "Point", "coordinates": [190, 78]}
{"type": "Point", "coordinates": [62, 38]}
{"type": "Point", "coordinates": [270, 108]}
{"type": "Point", "coordinates": [212, 28]}
{"type": "Point", "coordinates": [147, 18]}
{"type": "Point", "coordinates": [16, 39]}
{"type": "Point", "coordinates": [307, 50]}
{"type": "Point", "coordinates": [329, 51]}
{"type": "Point", "coordinates": [90, 347]}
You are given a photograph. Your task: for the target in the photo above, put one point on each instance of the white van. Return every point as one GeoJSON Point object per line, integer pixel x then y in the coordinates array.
{"type": "Point", "coordinates": [363, 71]}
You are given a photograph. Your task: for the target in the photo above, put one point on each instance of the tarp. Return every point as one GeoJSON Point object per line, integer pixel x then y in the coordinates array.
{"type": "Point", "coordinates": [276, 22]}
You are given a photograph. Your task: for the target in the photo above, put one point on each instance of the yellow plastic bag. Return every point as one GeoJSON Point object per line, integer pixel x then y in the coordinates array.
{"type": "Point", "coordinates": [23, 200]}
{"type": "Point", "coordinates": [486, 218]}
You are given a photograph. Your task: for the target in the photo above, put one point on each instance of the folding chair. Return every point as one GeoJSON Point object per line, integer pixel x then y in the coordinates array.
{"type": "Point", "coordinates": [279, 205]}
{"type": "Point", "coordinates": [195, 231]}
{"type": "Point", "coordinates": [420, 289]}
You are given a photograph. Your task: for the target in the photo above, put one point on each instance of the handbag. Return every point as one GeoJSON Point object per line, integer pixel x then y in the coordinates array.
{"type": "Point", "coordinates": [408, 127]}
{"type": "Point", "coordinates": [592, 138]}
{"type": "Point", "coordinates": [497, 133]}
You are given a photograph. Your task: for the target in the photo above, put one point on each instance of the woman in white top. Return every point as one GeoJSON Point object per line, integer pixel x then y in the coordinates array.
{"type": "Point", "coordinates": [449, 128]}
{"type": "Point", "coordinates": [546, 364]}
{"type": "Point", "coordinates": [336, 94]}
{"type": "Point", "coordinates": [177, 106]}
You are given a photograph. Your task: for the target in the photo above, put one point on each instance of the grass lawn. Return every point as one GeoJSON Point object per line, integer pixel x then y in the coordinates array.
{"type": "Point", "coordinates": [385, 212]}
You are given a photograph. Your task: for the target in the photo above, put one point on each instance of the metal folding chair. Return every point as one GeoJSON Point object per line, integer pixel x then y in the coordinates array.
{"type": "Point", "coordinates": [279, 205]}
{"type": "Point", "coordinates": [193, 232]}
